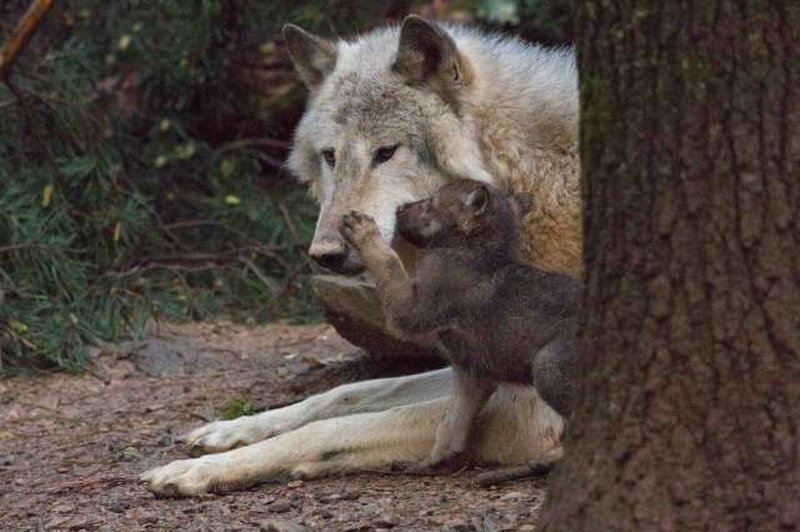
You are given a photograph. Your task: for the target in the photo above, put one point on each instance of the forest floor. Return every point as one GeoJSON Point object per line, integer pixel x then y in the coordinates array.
{"type": "Point", "coordinates": [72, 447]}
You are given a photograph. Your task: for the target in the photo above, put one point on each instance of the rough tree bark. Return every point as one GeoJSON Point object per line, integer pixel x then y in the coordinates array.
{"type": "Point", "coordinates": [689, 418]}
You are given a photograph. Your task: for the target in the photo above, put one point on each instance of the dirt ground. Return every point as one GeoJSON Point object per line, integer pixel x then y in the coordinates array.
{"type": "Point", "coordinates": [71, 448]}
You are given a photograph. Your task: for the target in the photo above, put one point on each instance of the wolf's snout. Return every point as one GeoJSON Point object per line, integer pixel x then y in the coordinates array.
{"type": "Point", "coordinates": [328, 253]}
{"type": "Point", "coordinates": [335, 255]}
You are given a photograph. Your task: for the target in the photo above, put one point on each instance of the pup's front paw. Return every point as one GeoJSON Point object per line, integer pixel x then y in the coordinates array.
{"type": "Point", "coordinates": [359, 228]}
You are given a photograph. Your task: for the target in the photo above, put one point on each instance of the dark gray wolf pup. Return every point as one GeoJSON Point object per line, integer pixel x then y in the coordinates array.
{"type": "Point", "coordinates": [496, 318]}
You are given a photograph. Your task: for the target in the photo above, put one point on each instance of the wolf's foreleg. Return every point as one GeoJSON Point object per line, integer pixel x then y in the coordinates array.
{"type": "Point", "coordinates": [350, 443]}
{"type": "Point", "coordinates": [365, 396]}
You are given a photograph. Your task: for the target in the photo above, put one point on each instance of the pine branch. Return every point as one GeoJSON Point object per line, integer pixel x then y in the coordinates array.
{"type": "Point", "coordinates": [22, 34]}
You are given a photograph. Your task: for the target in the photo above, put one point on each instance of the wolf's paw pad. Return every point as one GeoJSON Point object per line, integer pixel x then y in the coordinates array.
{"type": "Point", "coordinates": [358, 227]}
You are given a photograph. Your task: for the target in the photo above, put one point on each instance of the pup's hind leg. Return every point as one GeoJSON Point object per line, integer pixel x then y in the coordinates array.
{"type": "Point", "coordinates": [364, 396]}
{"type": "Point", "coordinates": [470, 393]}
{"type": "Point", "coordinates": [554, 372]}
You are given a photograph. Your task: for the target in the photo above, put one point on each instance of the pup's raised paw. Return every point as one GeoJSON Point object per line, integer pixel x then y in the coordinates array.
{"type": "Point", "coordinates": [359, 228]}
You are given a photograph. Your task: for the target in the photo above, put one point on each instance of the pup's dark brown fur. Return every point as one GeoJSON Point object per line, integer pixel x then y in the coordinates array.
{"type": "Point", "coordinates": [496, 318]}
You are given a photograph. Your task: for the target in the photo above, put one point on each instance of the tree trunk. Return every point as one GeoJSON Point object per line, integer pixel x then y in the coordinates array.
{"type": "Point", "coordinates": [689, 416]}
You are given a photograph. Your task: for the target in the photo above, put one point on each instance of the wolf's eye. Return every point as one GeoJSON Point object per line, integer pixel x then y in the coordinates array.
{"type": "Point", "coordinates": [330, 157]}
{"type": "Point", "coordinates": [384, 154]}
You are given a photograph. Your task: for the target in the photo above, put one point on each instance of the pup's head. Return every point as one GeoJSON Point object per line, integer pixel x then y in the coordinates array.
{"type": "Point", "coordinates": [383, 126]}
{"type": "Point", "coordinates": [463, 213]}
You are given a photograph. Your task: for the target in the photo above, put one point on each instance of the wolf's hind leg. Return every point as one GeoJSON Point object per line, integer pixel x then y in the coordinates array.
{"type": "Point", "coordinates": [358, 397]}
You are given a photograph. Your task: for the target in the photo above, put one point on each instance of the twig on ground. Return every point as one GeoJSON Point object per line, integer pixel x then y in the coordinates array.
{"type": "Point", "coordinates": [22, 34]}
{"type": "Point", "coordinates": [85, 482]}
{"type": "Point", "coordinates": [505, 474]}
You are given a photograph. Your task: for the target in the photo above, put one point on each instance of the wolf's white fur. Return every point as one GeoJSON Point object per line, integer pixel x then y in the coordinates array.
{"type": "Point", "coordinates": [359, 426]}
{"type": "Point", "coordinates": [517, 128]}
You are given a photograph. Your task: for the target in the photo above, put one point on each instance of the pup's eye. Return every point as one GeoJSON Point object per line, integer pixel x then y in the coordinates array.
{"type": "Point", "coordinates": [330, 157]}
{"type": "Point", "coordinates": [384, 154]}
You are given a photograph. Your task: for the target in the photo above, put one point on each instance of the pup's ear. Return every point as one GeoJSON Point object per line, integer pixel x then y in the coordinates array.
{"type": "Point", "coordinates": [522, 203]}
{"type": "Point", "coordinates": [477, 199]}
{"type": "Point", "coordinates": [428, 55]}
{"type": "Point", "coordinates": [314, 57]}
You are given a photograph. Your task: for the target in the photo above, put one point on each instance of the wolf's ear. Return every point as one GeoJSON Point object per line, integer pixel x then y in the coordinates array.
{"type": "Point", "coordinates": [521, 204]}
{"type": "Point", "coordinates": [314, 57]}
{"type": "Point", "coordinates": [477, 199]}
{"type": "Point", "coordinates": [429, 55]}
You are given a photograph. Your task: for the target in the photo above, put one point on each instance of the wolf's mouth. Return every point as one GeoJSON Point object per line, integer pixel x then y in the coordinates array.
{"type": "Point", "coordinates": [348, 270]}
{"type": "Point", "coordinates": [347, 264]}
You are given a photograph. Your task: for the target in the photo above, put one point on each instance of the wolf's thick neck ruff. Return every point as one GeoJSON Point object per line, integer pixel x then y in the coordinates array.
{"type": "Point", "coordinates": [444, 100]}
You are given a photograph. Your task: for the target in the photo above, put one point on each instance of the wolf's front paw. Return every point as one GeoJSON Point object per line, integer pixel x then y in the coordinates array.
{"type": "Point", "coordinates": [181, 478]}
{"type": "Point", "coordinates": [222, 436]}
{"type": "Point", "coordinates": [359, 228]}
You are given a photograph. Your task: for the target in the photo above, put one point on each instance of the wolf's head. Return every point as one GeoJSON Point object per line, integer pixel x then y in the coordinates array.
{"type": "Point", "coordinates": [464, 213]}
{"type": "Point", "coordinates": [385, 125]}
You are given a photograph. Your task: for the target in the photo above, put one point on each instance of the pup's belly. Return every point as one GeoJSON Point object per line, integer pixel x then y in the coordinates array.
{"type": "Point", "coordinates": [472, 350]}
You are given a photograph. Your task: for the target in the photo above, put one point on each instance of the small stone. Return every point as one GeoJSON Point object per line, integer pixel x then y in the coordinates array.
{"type": "Point", "coordinates": [526, 528]}
{"type": "Point", "coordinates": [512, 495]}
{"type": "Point", "coordinates": [437, 519]}
{"type": "Point", "coordinates": [458, 525]}
{"type": "Point", "coordinates": [63, 508]}
{"type": "Point", "coordinates": [56, 522]}
{"type": "Point", "coordinates": [385, 521]}
{"type": "Point", "coordinates": [118, 506]}
{"type": "Point", "coordinates": [489, 524]}
{"type": "Point", "coordinates": [82, 524]}
{"type": "Point", "coordinates": [350, 495]}
{"type": "Point", "coordinates": [281, 525]}
{"type": "Point", "coordinates": [159, 358]}
{"type": "Point", "coordinates": [295, 483]}
{"type": "Point", "coordinates": [147, 519]}
{"type": "Point", "coordinates": [280, 507]}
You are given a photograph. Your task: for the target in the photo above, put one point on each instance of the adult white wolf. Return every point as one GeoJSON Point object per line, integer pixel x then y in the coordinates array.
{"type": "Point", "coordinates": [391, 115]}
